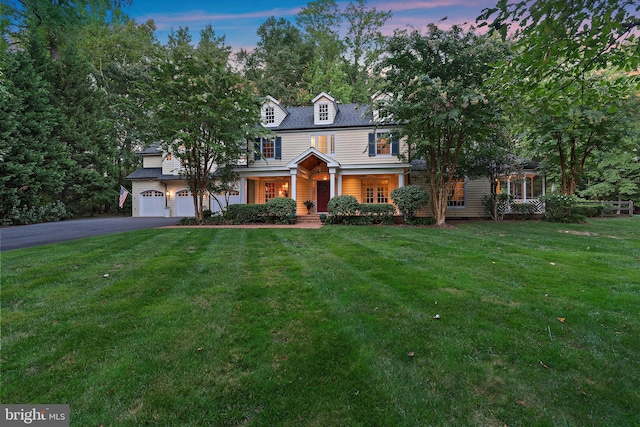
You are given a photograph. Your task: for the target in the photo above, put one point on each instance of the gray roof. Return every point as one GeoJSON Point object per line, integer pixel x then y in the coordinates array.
{"type": "Point", "coordinates": [153, 149]}
{"type": "Point", "coordinates": [348, 115]}
{"type": "Point", "coordinates": [152, 173]}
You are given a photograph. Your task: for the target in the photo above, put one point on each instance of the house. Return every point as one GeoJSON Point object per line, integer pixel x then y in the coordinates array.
{"type": "Point", "coordinates": [318, 152]}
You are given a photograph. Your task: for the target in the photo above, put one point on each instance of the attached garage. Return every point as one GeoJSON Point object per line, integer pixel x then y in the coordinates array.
{"type": "Point", "coordinates": [152, 203]}
{"type": "Point", "coordinates": [184, 204]}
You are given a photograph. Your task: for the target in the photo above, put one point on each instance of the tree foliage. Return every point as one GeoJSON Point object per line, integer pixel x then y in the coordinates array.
{"type": "Point", "coordinates": [437, 96]}
{"type": "Point", "coordinates": [563, 40]}
{"type": "Point", "coordinates": [328, 49]}
{"type": "Point", "coordinates": [205, 112]}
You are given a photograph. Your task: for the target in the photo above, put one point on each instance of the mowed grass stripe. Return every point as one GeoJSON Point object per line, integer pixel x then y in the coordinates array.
{"type": "Point", "coordinates": [314, 327]}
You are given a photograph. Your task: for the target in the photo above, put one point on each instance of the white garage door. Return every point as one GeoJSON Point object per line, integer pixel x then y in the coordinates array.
{"type": "Point", "coordinates": [184, 204]}
{"type": "Point", "coordinates": [152, 203]}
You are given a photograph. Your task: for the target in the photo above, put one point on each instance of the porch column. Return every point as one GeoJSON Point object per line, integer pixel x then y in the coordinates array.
{"type": "Point", "coordinates": [401, 180]}
{"type": "Point", "coordinates": [294, 182]}
{"type": "Point", "coordinates": [508, 185]}
{"type": "Point", "coordinates": [524, 188]}
{"type": "Point", "coordinates": [243, 189]}
{"type": "Point", "coordinates": [332, 183]}
{"type": "Point", "coordinates": [544, 185]}
{"type": "Point", "coordinates": [339, 184]}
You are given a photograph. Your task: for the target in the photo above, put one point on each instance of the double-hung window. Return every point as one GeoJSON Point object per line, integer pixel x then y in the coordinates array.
{"type": "Point", "coordinates": [268, 148]}
{"type": "Point", "coordinates": [456, 194]}
{"type": "Point", "coordinates": [324, 143]}
{"type": "Point", "coordinates": [383, 144]}
{"type": "Point", "coordinates": [323, 112]}
{"type": "Point", "coordinates": [269, 115]}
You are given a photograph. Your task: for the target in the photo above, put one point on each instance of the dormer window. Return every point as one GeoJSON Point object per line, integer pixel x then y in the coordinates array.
{"type": "Point", "coordinates": [323, 112]}
{"type": "Point", "coordinates": [269, 115]}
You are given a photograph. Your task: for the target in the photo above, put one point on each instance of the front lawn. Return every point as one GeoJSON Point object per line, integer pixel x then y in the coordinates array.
{"type": "Point", "coordinates": [539, 324]}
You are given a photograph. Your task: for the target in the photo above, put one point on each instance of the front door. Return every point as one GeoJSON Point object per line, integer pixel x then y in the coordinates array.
{"type": "Point", "coordinates": [323, 194]}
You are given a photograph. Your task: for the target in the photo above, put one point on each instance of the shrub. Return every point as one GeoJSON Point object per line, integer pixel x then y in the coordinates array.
{"type": "Point", "coordinates": [560, 208]}
{"type": "Point", "coordinates": [341, 207]}
{"type": "Point", "coordinates": [377, 213]}
{"type": "Point", "coordinates": [410, 199]}
{"type": "Point", "coordinates": [51, 212]}
{"type": "Point", "coordinates": [280, 208]}
{"type": "Point", "coordinates": [523, 210]}
{"type": "Point", "coordinates": [496, 205]}
{"type": "Point", "coordinates": [243, 214]}
{"type": "Point", "coordinates": [589, 210]}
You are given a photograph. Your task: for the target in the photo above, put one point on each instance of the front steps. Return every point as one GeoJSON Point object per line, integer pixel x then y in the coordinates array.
{"type": "Point", "coordinates": [310, 219]}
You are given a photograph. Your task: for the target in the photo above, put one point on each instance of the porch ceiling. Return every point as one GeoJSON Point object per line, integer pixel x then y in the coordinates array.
{"type": "Point", "coordinates": [311, 162]}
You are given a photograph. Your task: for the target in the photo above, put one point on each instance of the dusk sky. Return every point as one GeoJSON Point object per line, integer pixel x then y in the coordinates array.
{"type": "Point", "coordinates": [239, 20]}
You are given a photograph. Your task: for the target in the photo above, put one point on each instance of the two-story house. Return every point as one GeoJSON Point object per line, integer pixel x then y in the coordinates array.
{"type": "Point", "coordinates": [321, 151]}
{"type": "Point", "coordinates": [318, 152]}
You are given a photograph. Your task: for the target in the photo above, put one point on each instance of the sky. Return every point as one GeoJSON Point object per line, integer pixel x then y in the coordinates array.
{"type": "Point", "coordinates": [239, 20]}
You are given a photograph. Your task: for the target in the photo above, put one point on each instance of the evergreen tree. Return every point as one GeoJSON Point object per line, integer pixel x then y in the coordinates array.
{"type": "Point", "coordinates": [33, 162]}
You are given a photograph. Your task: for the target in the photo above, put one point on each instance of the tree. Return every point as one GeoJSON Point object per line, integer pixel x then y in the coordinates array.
{"type": "Point", "coordinates": [560, 39]}
{"type": "Point", "coordinates": [120, 53]}
{"type": "Point", "coordinates": [86, 131]}
{"type": "Point", "coordinates": [320, 23]}
{"type": "Point", "coordinates": [437, 98]}
{"type": "Point", "coordinates": [278, 64]}
{"type": "Point", "coordinates": [364, 43]}
{"type": "Point", "coordinates": [205, 112]}
{"type": "Point", "coordinates": [32, 159]}
{"type": "Point", "coordinates": [566, 127]}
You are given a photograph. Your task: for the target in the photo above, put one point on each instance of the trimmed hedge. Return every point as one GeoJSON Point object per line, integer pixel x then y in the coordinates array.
{"type": "Point", "coordinates": [377, 213]}
{"type": "Point", "coordinates": [275, 211]}
{"type": "Point", "coordinates": [244, 214]}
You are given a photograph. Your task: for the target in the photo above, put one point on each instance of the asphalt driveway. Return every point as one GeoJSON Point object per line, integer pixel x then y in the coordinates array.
{"type": "Point", "coordinates": [25, 236]}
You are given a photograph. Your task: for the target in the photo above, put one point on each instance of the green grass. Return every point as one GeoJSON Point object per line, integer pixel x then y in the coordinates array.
{"type": "Point", "coordinates": [265, 327]}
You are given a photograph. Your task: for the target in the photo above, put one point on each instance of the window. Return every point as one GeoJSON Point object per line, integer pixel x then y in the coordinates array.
{"type": "Point", "coordinates": [268, 148]}
{"type": "Point", "coordinates": [269, 191]}
{"type": "Point", "coordinates": [383, 143]}
{"type": "Point", "coordinates": [375, 191]}
{"type": "Point", "coordinates": [323, 112]}
{"type": "Point", "coordinates": [269, 115]}
{"type": "Point", "coordinates": [324, 143]}
{"type": "Point", "coordinates": [456, 194]}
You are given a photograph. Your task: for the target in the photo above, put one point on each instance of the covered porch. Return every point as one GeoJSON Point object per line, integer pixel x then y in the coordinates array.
{"type": "Point", "coordinates": [316, 177]}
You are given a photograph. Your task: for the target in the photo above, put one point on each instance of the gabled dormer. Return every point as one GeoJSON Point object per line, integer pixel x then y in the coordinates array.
{"type": "Point", "coordinates": [378, 100]}
{"type": "Point", "coordinates": [273, 112]}
{"type": "Point", "coordinates": [325, 109]}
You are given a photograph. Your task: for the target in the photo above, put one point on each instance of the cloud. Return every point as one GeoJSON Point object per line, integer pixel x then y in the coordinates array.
{"type": "Point", "coordinates": [165, 21]}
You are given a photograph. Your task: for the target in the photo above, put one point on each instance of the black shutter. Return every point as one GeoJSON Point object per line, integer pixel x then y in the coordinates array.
{"type": "Point", "coordinates": [256, 150]}
{"type": "Point", "coordinates": [372, 144]}
{"type": "Point", "coordinates": [278, 147]}
{"type": "Point", "coordinates": [395, 147]}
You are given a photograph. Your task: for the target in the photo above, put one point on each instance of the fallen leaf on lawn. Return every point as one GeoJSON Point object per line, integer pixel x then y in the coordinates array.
{"type": "Point", "coordinates": [552, 263]}
{"type": "Point", "coordinates": [199, 348]}
{"type": "Point", "coordinates": [411, 354]}
{"type": "Point", "coordinates": [437, 316]}
{"type": "Point", "coordinates": [521, 402]}
{"type": "Point", "coordinates": [543, 365]}
{"type": "Point", "coordinates": [561, 319]}
{"type": "Point", "coordinates": [105, 275]}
